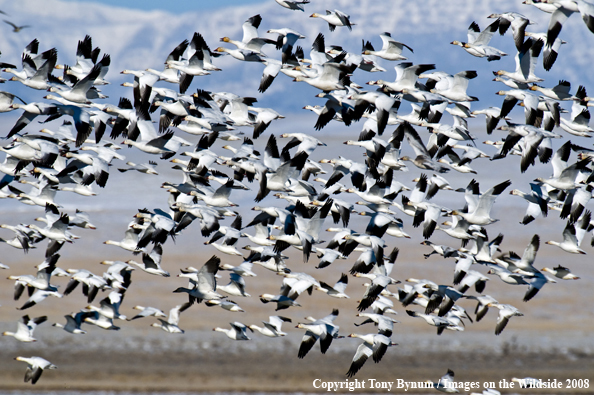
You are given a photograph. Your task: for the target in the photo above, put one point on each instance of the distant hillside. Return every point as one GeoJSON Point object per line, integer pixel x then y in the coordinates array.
{"type": "Point", "coordinates": [138, 40]}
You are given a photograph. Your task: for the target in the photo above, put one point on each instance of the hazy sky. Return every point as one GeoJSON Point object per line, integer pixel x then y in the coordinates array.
{"type": "Point", "coordinates": [177, 6]}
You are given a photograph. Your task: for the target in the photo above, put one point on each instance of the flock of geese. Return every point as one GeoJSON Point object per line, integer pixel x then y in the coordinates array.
{"type": "Point", "coordinates": [171, 119]}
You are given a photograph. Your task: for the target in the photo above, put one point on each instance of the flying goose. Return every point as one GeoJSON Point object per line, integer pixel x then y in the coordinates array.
{"type": "Point", "coordinates": [272, 327]}
{"type": "Point", "coordinates": [323, 329]}
{"type": "Point", "coordinates": [204, 282]}
{"type": "Point", "coordinates": [374, 345]}
{"type": "Point", "coordinates": [171, 325]}
{"type": "Point", "coordinates": [238, 331]}
{"type": "Point", "coordinates": [25, 328]}
{"type": "Point", "coordinates": [478, 42]}
{"type": "Point", "coordinates": [506, 311]}
{"type": "Point", "coordinates": [36, 366]}
{"type": "Point", "coordinates": [335, 18]}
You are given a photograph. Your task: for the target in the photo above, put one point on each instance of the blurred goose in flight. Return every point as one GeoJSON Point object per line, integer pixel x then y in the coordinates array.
{"type": "Point", "coordinates": [171, 325]}
{"type": "Point", "coordinates": [25, 328]}
{"type": "Point", "coordinates": [293, 4]}
{"type": "Point", "coordinates": [36, 366]}
{"type": "Point", "coordinates": [109, 307]}
{"type": "Point", "coordinates": [39, 296]}
{"type": "Point", "coordinates": [445, 383]}
{"type": "Point", "coordinates": [238, 331]}
{"type": "Point", "coordinates": [335, 18]}
{"type": "Point", "coordinates": [73, 323]}
{"type": "Point", "coordinates": [236, 286]}
{"type": "Point", "coordinates": [441, 323]}
{"type": "Point", "coordinates": [147, 312]}
{"type": "Point", "coordinates": [385, 325]}
{"type": "Point", "coordinates": [91, 283]}
{"type": "Point", "coordinates": [16, 29]}
{"type": "Point", "coordinates": [561, 272]}
{"type": "Point", "coordinates": [272, 327]}
{"type": "Point", "coordinates": [228, 305]}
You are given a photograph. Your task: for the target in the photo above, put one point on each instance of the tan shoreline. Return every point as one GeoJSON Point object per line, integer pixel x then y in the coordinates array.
{"type": "Point", "coordinates": [250, 371]}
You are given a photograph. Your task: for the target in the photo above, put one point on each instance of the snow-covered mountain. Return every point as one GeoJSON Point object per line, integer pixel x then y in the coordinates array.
{"type": "Point", "coordinates": [139, 40]}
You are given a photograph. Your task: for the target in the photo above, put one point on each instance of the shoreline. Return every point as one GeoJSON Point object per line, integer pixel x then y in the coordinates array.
{"type": "Point", "coordinates": [242, 370]}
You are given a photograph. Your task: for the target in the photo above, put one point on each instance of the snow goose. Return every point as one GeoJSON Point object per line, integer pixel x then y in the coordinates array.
{"type": "Point", "coordinates": [160, 225]}
{"type": "Point", "coordinates": [36, 366]}
{"type": "Point", "coordinates": [441, 323]}
{"type": "Point", "coordinates": [171, 325]}
{"type": "Point", "coordinates": [579, 119]}
{"type": "Point", "coordinates": [41, 280]}
{"type": "Point", "coordinates": [131, 237]}
{"type": "Point", "coordinates": [38, 297]}
{"type": "Point", "coordinates": [228, 305]}
{"type": "Point", "coordinates": [558, 92]}
{"type": "Point", "coordinates": [25, 328]}
{"type": "Point", "coordinates": [507, 276]}
{"type": "Point", "coordinates": [518, 23]}
{"type": "Point", "coordinates": [103, 322]}
{"type": "Point", "coordinates": [80, 91]}
{"type": "Point", "coordinates": [293, 4]}
{"type": "Point", "coordinates": [478, 42]}
{"type": "Point", "coordinates": [91, 283]}
{"type": "Point", "coordinates": [150, 142]}
{"type": "Point", "coordinates": [456, 90]}
{"type": "Point", "coordinates": [272, 327]}
{"type": "Point", "coordinates": [561, 272]}
{"type": "Point", "coordinates": [506, 311]}
{"type": "Point", "coordinates": [445, 384]}
{"type": "Point", "coordinates": [551, 51]}
{"type": "Point", "coordinates": [379, 281]}
{"type": "Point", "coordinates": [537, 202]}
{"type": "Point", "coordinates": [31, 110]}
{"type": "Point", "coordinates": [282, 301]}
{"type": "Point", "coordinates": [573, 235]}
{"type": "Point", "coordinates": [151, 263]}
{"type": "Point", "coordinates": [480, 205]}
{"type": "Point", "coordinates": [204, 282]}
{"type": "Point", "coordinates": [391, 49]}
{"type": "Point", "coordinates": [7, 100]}
{"type": "Point", "coordinates": [39, 76]}
{"type": "Point", "coordinates": [236, 286]}
{"type": "Point", "coordinates": [109, 307]}
{"type": "Point", "coordinates": [565, 178]}
{"type": "Point", "coordinates": [73, 323]}
{"type": "Point", "coordinates": [564, 10]}
{"type": "Point", "coordinates": [336, 291]}
{"type": "Point", "coordinates": [244, 269]}
{"type": "Point", "coordinates": [147, 312]}
{"type": "Point", "coordinates": [323, 329]}
{"type": "Point", "coordinates": [374, 345]}
{"type": "Point", "coordinates": [526, 59]}
{"type": "Point", "coordinates": [334, 18]}
{"type": "Point", "coordinates": [238, 331]}
{"type": "Point", "coordinates": [385, 325]}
